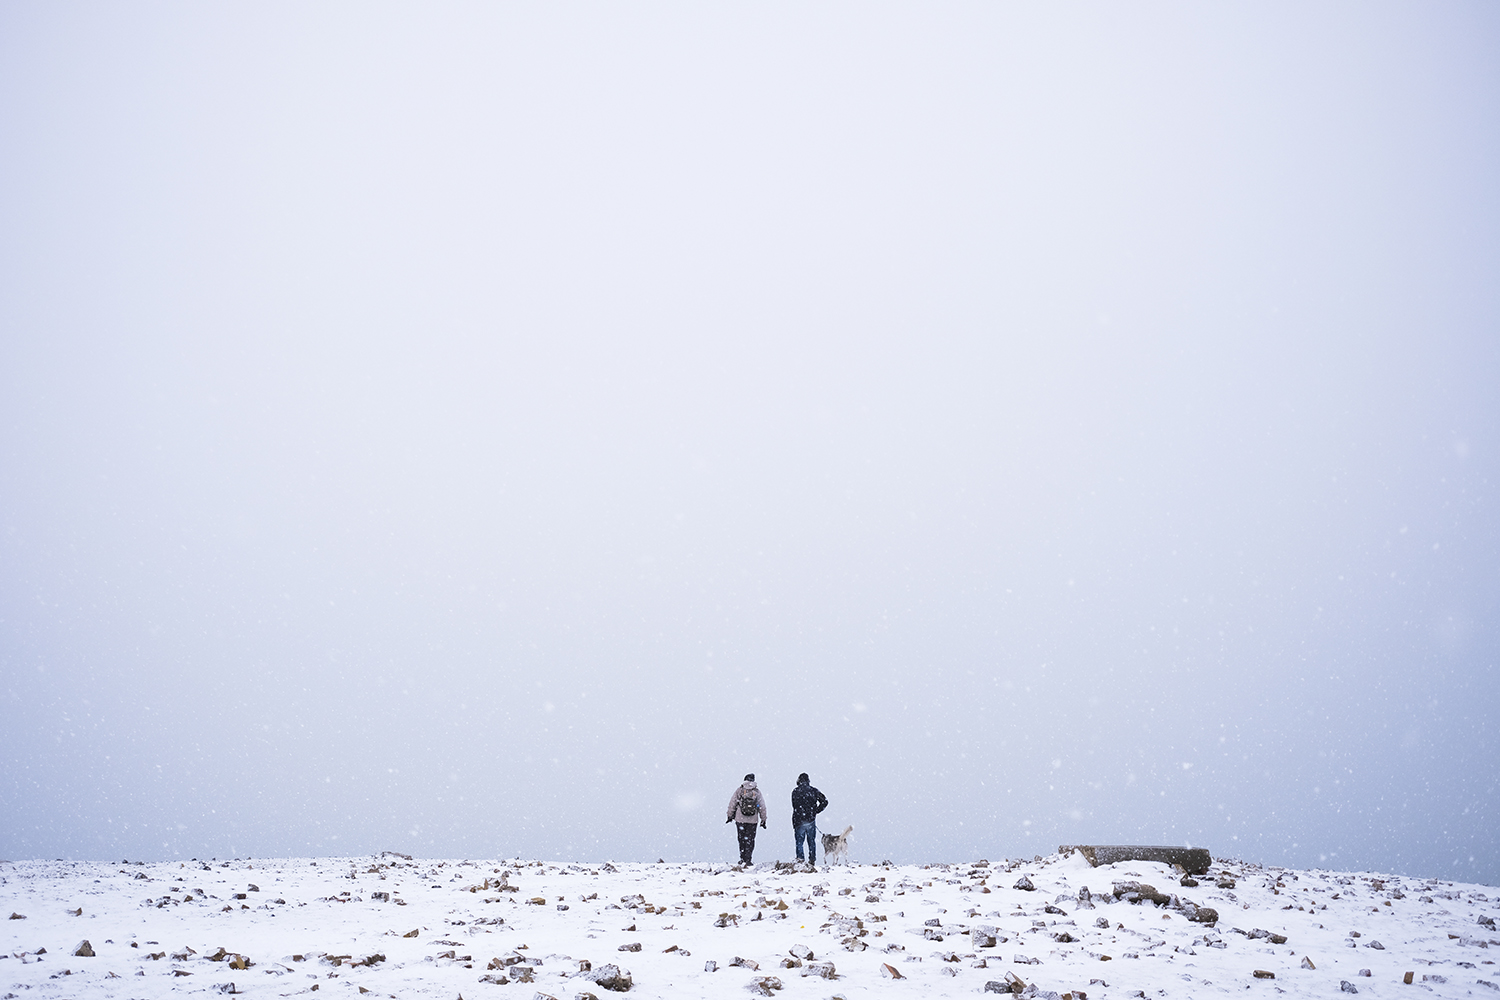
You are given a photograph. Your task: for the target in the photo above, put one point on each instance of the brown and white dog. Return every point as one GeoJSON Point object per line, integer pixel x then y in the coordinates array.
{"type": "Point", "coordinates": [836, 846]}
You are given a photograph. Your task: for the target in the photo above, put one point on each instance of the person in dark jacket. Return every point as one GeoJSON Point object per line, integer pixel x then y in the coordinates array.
{"type": "Point", "coordinates": [807, 802]}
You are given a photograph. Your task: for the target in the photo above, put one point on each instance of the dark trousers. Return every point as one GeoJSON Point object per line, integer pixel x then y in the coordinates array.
{"type": "Point", "coordinates": [746, 832]}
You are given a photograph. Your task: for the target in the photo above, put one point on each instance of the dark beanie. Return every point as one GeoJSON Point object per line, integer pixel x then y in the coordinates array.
{"type": "Point", "coordinates": [749, 777]}
{"type": "Point", "coordinates": [802, 778]}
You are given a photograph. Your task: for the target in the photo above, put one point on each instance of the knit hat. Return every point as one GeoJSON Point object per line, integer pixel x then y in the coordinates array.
{"type": "Point", "coordinates": [749, 777]}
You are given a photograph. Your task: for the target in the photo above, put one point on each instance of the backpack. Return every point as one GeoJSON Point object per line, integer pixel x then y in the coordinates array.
{"type": "Point", "coordinates": [749, 804]}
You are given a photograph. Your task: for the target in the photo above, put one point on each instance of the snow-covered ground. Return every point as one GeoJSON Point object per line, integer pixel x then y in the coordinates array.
{"type": "Point", "coordinates": [388, 926]}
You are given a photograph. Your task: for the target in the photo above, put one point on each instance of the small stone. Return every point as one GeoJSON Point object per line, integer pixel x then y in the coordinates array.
{"type": "Point", "coordinates": [824, 970]}
{"type": "Point", "coordinates": [1366, 973]}
{"type": "Point", "coordinates": [1347, 987]}
{"type": "Point", "coordinates": [1376, 945]}
{"type": "Point", "coordinates": [890, 971]}
{"type": "Point", "coordinates": [1188, 881]}
{"type": "Point", "coordinates": [522, 973]}
{"type": "Point", "coordinates": [1263, 974]}
{"type": "Point", "coordinates": [84, 950]}
{"type": "Point", "coordinates": [1307, 963]}
{"type": "Point", "coordinates": [1025, 884]}
{"type": "Point", "coordinates": [632, 946]}
{"type": "Point", "coordinates": [413, 932]}
{"type": "Point", "coordinates": [710, 966]}
{"type": "Point", "coordinates": [801, 951]}
{"type": "Point", "coordinates": [1204, 915]}
{"type": "Point", "coordinates": [765, 985]}
{"type": "Point", "coordinates": [17, 916]}
{"type": "Point", "coordinates": [1102, 922]}
{"type": "Point", "coordinates": [1408, 978]}
{"type": "Point", "coordinates": [746, 963]}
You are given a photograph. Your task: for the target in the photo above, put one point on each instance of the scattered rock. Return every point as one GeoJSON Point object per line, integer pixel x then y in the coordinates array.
{"type": "Point", "coordinates": [1023, 960]}
{"type": "Point", "coordinates": [84, 950]}
{"type": "Point", "coordinates": [764, 985]}
{"type": "Point", "coordinates": [1263, 974]}
{"type": "Point", "coordinates": [1366, 973]}
{"type": "Point", "coordinates": [17, 916]}
{"type": "Point", "coordinates": [1307, 963]}
{"type": "Point", "coordinates": [632, 946]}
{"type": "Point", "coordinates": [890, 971]}
{"type": "Point", "coordinates": [1374, 944]}
{"type": "Point", "coordinates": [1025, 884]}
{"type": "Point", "coordinates": [1194, 860]}
{"type": "Point", "coordinates": [412, 933]}
{"type": "Point", "coordinates": [746, 963]}
{"type": "Point", "coordinates": [824, 970]}
{"type": "Point", "coordinates": [522, 973]}
{"type": "Point", "coordinates": [1347, 987]}
{"type": "Point", "coordinates": [710, 966]}
{"type": "Point", "coordinates": [611, 977]}
{"type": "Point", "coordinates": [801, 951]}
{"type": "Point", "coordinates": [1188, 881]}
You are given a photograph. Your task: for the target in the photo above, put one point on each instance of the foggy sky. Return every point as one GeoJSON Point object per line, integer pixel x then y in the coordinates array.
{"type": "Point", "coordinates": [492, 430]}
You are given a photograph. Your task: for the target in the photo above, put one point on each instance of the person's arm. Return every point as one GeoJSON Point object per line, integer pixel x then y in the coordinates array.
{"type": "Point", "coordinates": [761, 799]}
{"type": "Point", "coordinates": [822, 803]}
{"type": "Point", "coordinates": [734, 800]}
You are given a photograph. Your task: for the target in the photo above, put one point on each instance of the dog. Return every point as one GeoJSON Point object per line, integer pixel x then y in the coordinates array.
{"type": "Point", "coordinates": [836, 846]}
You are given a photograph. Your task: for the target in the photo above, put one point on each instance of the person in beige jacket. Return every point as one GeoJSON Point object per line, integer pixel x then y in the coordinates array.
{"type": "Point", "coordinates": [747, 806]}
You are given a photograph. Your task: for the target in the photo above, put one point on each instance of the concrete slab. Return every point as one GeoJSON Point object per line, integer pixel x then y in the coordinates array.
{"type": "Point", "coordinates": [1194, 860]}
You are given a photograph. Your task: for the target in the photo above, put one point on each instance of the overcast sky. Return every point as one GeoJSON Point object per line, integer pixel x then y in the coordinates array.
{"type": "Point", "coordinates": [492, 430]}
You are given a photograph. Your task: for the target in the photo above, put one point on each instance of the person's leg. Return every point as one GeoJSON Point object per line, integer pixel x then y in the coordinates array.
{"type": "Point", "coordinates": [807, 832]}
{"type": "Point", "coordinates": [797, 836]}
{"type": "Point", "coordinates": [746, 834]}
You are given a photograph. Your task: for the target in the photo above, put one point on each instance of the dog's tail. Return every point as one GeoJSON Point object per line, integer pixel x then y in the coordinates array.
{"type": "Point", "coordinates": [847, 830]}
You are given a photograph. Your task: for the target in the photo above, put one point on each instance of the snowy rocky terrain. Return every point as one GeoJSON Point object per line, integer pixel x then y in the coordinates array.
{"type": "Point", "coordinates": [392, 927]}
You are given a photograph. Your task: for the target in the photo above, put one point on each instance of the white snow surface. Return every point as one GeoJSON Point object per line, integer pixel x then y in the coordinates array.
{"type": "Point", "coordinates": [305, 926]}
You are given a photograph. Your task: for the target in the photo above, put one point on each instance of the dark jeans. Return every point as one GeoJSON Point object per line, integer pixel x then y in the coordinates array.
{"type": "Point", "coordinates": [809, 832]}
{"type": "Point", "coordinates": [746, 832]}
